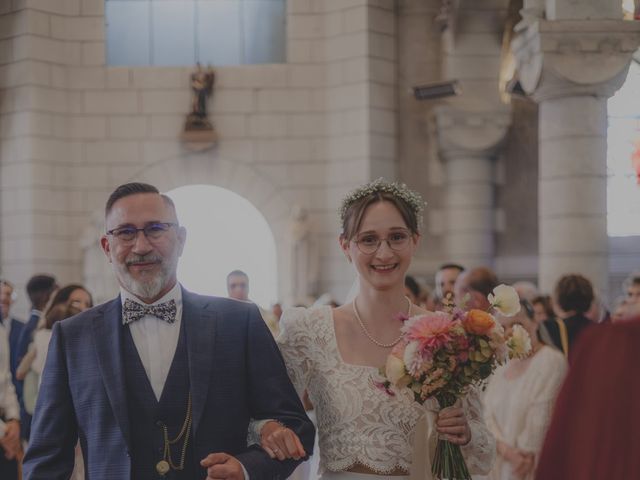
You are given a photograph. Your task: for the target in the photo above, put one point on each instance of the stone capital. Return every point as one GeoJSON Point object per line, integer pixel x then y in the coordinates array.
{"type": "Point", "coordinates": [469, 133]}
{"type": "Point", "coordinates": [564, 58]}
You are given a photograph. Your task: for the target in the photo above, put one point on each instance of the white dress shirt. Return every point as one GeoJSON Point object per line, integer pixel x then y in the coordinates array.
{"type": "Point", "coordinates": [157, 340]}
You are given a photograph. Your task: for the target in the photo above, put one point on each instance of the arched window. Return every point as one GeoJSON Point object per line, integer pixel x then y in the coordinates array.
{"type": "Point", "coordinates": [183, 32]}
{"type": "Point", "coordinates": [225, 232]}
{"type": "Point", "coordinates": [623, 158]}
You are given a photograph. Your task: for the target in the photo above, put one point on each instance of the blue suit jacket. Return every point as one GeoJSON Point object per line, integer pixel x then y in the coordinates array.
{"type": "Point", "coordinates": [235, 371]}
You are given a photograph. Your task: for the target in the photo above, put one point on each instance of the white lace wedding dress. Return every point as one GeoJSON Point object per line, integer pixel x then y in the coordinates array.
{"type": "Point", "coordinates": [359, 423]}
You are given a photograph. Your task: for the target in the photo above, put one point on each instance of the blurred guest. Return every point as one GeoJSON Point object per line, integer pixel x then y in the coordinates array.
{"type": "Point", "coordinates": [238, 285]}
{"type": "Point", "coordinates": [628, 307]}
{"type": "Point", "coordinates": [67, 302]}
{"type": "Point", "coordinates": [412, 289]}
{"type": "Point", "coordinates": [445, 279]}
{"type": "Point", "coordinates": [12, 327]}
{"type": "Point", "coordinates": [598, 311]}
{"type": "Point", "coordinates": [572, 298]}
{"type": "Point", "coordinates": [238, 289]}
{"type": "Point", "coordinates": [631, 288]}
{"type": "Point", "coordinates": [542, 308]}
{"type": "Point", "coordinates": [473, 286]}
{"type": "Point", "coordinates": [594, 429]}
{"type": "Point", "coordinates": [10, 447]}
{"type": "Point", "coordinates": [625, 310]}
{"type": "Point", "coordinates": [543, 311]}
{"type": "Point", "coordinates": [519, 400]}
{"type": "Point", "coordinates": [39, 289]}
{"type": "Point", "coordinates": [426, 299]}
{"type": "Point", "coordinates": [526, 290]}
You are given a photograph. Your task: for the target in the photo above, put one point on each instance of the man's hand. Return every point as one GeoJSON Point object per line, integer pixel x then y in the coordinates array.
{"type": "Point", "coordinates": [222, 466]}
{"type": "Point", "coordinates": [11, 440]}
{"type": "Point", "coordinates": [281, 442]}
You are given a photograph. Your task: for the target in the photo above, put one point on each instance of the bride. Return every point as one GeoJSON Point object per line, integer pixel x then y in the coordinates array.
{"type": "Point", "coordinates": [335, 353]}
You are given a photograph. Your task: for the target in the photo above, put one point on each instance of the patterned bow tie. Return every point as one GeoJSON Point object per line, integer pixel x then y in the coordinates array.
{"type": "Point", "coordinates": [132, 311]}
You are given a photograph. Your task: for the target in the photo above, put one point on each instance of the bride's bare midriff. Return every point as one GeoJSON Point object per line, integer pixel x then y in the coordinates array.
{"type": "Point", "coordinates": [358, 468]}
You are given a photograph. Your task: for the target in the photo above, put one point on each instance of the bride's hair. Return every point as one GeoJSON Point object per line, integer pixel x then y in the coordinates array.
{"type": "Point", "coordinates": [354, 205]}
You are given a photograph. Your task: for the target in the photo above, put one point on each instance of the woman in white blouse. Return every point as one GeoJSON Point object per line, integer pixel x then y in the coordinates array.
{"type": "Point", "coordinates": [519, 401]}
{"type": "Point", "coordinates": [335, 354]}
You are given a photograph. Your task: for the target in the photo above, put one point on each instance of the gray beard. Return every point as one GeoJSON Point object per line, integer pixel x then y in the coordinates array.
{"type": "Point", "coordinates": [149, 289]}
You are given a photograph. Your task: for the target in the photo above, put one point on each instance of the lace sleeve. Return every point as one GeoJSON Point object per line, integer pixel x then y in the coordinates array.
{"type": "Point", "coordinates": [295, 342]}
{"type": "Point", "coordinates": [480, 452]}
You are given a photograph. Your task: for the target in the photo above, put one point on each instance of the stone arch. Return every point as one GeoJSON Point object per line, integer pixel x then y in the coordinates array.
{"type": "Point", "coordinates": [191, 169]}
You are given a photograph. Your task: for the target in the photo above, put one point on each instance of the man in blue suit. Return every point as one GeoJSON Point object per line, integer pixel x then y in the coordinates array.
{"type": "Point", "coordinates": [160, 383]}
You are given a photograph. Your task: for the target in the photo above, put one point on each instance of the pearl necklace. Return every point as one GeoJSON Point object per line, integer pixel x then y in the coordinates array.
{"type": "Point", "coordinates": [366, 332]}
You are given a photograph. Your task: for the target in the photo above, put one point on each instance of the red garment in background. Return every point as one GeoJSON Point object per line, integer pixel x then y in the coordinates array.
{"type": "Point", "coordinates": [595, 429]}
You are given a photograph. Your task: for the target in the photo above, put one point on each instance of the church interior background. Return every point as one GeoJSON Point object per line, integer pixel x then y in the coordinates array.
{"type": "Point", "coordinates": [529, 168]}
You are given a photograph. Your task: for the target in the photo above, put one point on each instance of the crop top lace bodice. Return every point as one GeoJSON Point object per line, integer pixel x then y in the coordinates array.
{"type": "Point", "coordinates": [357, 421]}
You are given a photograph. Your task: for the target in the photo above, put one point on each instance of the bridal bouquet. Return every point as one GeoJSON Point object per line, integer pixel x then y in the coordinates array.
{"type": "Point", "coordinates": [442, 354]}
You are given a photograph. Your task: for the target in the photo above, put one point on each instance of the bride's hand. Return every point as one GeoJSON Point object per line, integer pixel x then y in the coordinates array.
{"type": "Point", "coordinates": [281, 442]}
{"type": "Point", "coordinates": [452, 425]}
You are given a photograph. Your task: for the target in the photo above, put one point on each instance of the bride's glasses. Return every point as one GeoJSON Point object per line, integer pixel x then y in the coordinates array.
{"type": "Point", "coordinates": [369, 243]}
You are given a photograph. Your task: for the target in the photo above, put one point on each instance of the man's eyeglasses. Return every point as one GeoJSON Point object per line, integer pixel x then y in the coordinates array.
{"type": "Point", "coordinates": [369, 243]}
{"type": "Point", "coordinates": [152, 231]}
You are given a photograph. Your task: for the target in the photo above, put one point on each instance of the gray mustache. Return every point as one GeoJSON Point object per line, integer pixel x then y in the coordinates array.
{"type": "Point", "coordinates": [136, 259]}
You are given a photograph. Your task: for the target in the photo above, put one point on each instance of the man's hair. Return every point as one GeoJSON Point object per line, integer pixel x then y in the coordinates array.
{"type": "Point", "coordinates": [237, 272]}
{"type": "Point", "coordinates": [412, 285]}
{"type": "Point", "coordinates": [445, 266]}
{"type": "Point", "coordinates": [482, 279]}
{"type": "Point", "coordinates": [7, 283]}
{"type": "Point", "coordinates": [39, 289]}
{"type": "Point", "coordinates": [574, 293]}
{"type": "Point", "coordinates": [133, 189]}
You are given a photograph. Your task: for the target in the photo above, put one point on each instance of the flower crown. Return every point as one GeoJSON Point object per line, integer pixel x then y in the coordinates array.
{"type": "Point", "coordinates": [399, 190]}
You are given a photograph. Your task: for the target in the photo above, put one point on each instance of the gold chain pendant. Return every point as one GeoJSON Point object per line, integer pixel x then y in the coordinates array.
{"type": "Point", "coordinates": [162, 467]}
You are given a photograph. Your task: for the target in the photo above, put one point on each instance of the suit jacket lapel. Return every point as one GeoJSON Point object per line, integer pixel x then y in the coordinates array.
{"type": "Point", "coordinates": [108, 341]}
{"type": "Point", "coordinates": [200, 331]}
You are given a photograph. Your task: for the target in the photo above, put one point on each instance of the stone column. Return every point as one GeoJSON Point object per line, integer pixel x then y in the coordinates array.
{"type": "Point", "coordinates": [468, 144]}
{"type": "Point", "coordinates": [571, 68]}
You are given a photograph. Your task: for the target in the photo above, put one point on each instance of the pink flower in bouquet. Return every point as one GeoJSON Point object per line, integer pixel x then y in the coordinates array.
{"type": "Point", "coordinates": [432, 331]}
{"type": "Point", "coordinates": [417, 362]}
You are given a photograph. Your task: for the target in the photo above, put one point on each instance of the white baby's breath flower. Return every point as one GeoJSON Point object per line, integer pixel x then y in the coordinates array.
{"type": "Point", "coordinates": [505, 299]}
{"type": "Point", "coordinates": [519, 342]}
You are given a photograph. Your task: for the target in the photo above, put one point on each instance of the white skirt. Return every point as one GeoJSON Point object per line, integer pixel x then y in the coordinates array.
{"type": "Point", "coordinates": [360, 476]}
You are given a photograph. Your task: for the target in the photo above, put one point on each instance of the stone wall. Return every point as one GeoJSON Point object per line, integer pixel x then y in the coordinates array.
{"type": "Point", "coordinates": [295, 134]}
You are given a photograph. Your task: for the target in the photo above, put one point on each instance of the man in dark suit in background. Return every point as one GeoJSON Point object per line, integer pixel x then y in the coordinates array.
{"type": "Point", "coordinates": [160, 382]}
{"type": "Point", "coordinates": [12, 326]}
{"type": "Point", "coordinates": [39, 289]}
